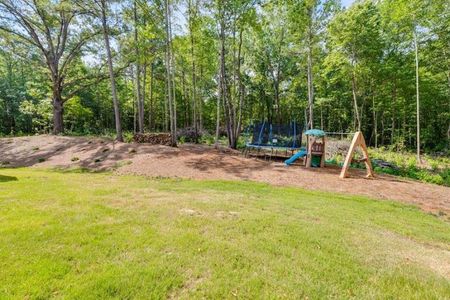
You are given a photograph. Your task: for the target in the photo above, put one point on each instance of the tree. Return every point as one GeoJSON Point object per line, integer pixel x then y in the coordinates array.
{"type": "Point", "coordinates": [139, 94]}
{"type": "Point", "coordinates": [410, 14]}
{"type": "Point", "coordinates": [232, 18]}
{"type": "Point", "coordinates": [104, 12]}
{"type": "Point", "coordinates": [309, 19]}
{"type": "Point", "coordinates": [48, 26]}
{"type": "Point", "coordinates": [355, 37]}
{"type": "Point", "coordinates": [169, 80]}
{"type": "Point", "coordinates": [192, 21]}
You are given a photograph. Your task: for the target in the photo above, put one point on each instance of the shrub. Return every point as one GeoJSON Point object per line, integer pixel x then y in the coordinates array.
{"type": "Point", "coordinates": [207, 139]}
{"type": "Point", "coordinates": [189, 135]}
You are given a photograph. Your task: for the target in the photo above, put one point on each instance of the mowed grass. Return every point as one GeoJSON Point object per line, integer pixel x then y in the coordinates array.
{"type": "Point", "coordinates": [96, 236]}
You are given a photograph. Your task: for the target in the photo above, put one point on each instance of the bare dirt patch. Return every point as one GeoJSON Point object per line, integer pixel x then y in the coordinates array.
{"type": "Point", "coordinates": [204, 162]}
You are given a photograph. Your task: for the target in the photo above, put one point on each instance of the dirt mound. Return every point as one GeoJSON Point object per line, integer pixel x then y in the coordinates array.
{"type": "Point", "coordinates": [204, 162]}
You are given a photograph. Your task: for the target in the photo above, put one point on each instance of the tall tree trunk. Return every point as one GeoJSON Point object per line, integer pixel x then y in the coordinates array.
{"type": "Point", "coordinates": [229, 110]}
{"type": "Point", "coordinates": [144, 91]}
{"type": "Point", "coordinates": [150, 111]}
{"type": "Point", "coordinates": [174, 89]}
{"type": "Point", "coordinates": [375, 121]}
{"type": "Point", "coordinates": [310, 73]}
{"type": "Point", "coordinates": [194, 76]}
{"type": "Point", "coordinates": [185, 100]}
{"type": "Point", "coordinates": [355, 101]}
{"type": "Point", "coordinates": [169, 75]}
{"type": "Point", "coordinates": [416, 48]}
{"type": "Point", "coordinates": [200, 100]}
{"type": "Point", "coordinates": [140, 100]}
{"type": "Point", "coordinates": [135, 104]}
{"type": "Point", "coordinates": [119, 135]}
{"type": "Point", "coordinates": [241, 88]}
{"type": "Point", "coordinates": [221, 75]}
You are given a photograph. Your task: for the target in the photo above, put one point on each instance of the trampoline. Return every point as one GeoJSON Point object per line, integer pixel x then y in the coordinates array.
{"type": "Point", "coordinates": [274, 138]}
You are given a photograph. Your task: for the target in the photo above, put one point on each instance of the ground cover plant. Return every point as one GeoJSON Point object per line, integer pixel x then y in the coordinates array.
{"type": "Point", "coordinates": [100, 235]}
{"type": "Point", "coordinates": [432, 168]}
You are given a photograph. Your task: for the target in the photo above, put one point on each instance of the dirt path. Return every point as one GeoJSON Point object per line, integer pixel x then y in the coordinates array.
{"type": "Point", "coordinates": [203, 162]}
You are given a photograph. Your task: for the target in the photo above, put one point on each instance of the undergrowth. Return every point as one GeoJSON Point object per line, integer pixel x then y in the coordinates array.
{"type": "Point", "coordinates": [432, 169]}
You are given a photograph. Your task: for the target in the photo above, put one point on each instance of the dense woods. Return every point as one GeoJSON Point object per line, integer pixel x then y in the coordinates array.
{"type": "Point", "coordinates": [98, 66]}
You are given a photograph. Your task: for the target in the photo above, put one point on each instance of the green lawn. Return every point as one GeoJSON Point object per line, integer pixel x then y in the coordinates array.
{"type": "Point", "coordinates": [93, 236]}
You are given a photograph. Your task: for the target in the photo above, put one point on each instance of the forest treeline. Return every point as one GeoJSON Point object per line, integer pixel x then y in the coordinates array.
{"type": "Point", "coordinates": [96, 66]}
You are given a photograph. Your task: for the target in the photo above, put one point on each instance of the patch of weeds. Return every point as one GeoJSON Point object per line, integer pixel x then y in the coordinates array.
{"type": "Point", "coordinates": [76, 170]}
{"type": "Point", "coordinates": [122, 163]}
{"type": "Point", "coordinates": [41, 159]}
{"type": "Point", "coordinates": [4, 163]}
{"type": "Point", "coordinates": [128, 137]}
{"type": "Point", "coordinates": [75, 159]}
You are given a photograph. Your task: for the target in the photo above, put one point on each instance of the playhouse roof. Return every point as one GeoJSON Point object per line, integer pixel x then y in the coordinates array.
{"type": "Point", "coordinates": [315, 132]}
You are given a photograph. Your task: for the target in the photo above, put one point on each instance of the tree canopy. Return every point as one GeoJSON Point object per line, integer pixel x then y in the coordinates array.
{"type": "Point", "coordinates": [382, 67]}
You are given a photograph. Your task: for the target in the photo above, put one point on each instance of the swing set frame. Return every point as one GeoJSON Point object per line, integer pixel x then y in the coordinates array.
{"type": "Point", "coordinates": [358, 141]}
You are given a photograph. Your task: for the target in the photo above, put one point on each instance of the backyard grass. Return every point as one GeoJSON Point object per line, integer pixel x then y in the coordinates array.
{"type": "Point", "coordinates": [100, 235]}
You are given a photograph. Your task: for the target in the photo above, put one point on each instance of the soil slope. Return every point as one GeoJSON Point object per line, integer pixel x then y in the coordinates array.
{"type": "Point", "coordinates": [204, 162]}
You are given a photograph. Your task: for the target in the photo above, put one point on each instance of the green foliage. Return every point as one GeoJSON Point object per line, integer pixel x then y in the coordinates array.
{"type": "Point", "coordinates": [364, 52]}
{"type": "Point", "coordinates": [433, 169]}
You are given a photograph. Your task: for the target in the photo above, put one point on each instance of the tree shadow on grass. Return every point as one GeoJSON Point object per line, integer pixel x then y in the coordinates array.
{"type": "Point", "coordinates": [4, 178]}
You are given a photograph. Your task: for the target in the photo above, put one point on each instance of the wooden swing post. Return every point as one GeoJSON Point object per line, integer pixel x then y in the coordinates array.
{"type": "Point", "coordinates": [358, 140]}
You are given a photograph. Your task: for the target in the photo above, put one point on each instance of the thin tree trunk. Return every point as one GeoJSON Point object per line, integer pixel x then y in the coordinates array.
{"type": "Point", "coordinates": [135, 104]}
{"type": "Point", "coordinates": [144, 92]}
{"type": "Point", "coordinates": [221, 74]}
{"type": "Point", "coordinates": [241, 88]}
{"type": "Point", "coordinates": [416, 48]}
{"type": "Point", "coordinates": [375, 121]}
{"type": "Point", "coordinates": [355, 102]}
{"type": "Point", "coordinates": [200, 100]}
{"type": "Point", "coordinates": [185, 99]}
{"type": "Point", "coordinates": [119, 136]}
{"type": "Point", "coordinates": [140, 101]}
{"type": "Point", "coordinates": [310, 75]}
{"type": "Point", "coordinates": [174, 91]}
{"type": "Point", "coordinates": [169, 75]}
{"type": "Point", "coordinates": [150, 111]}
{"type": "Point", "coordinates": [194, 77]}
{"type": "Point", "coordinates": [173, 75]}
{"type": "Point", "coordinates": [321, 117]}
